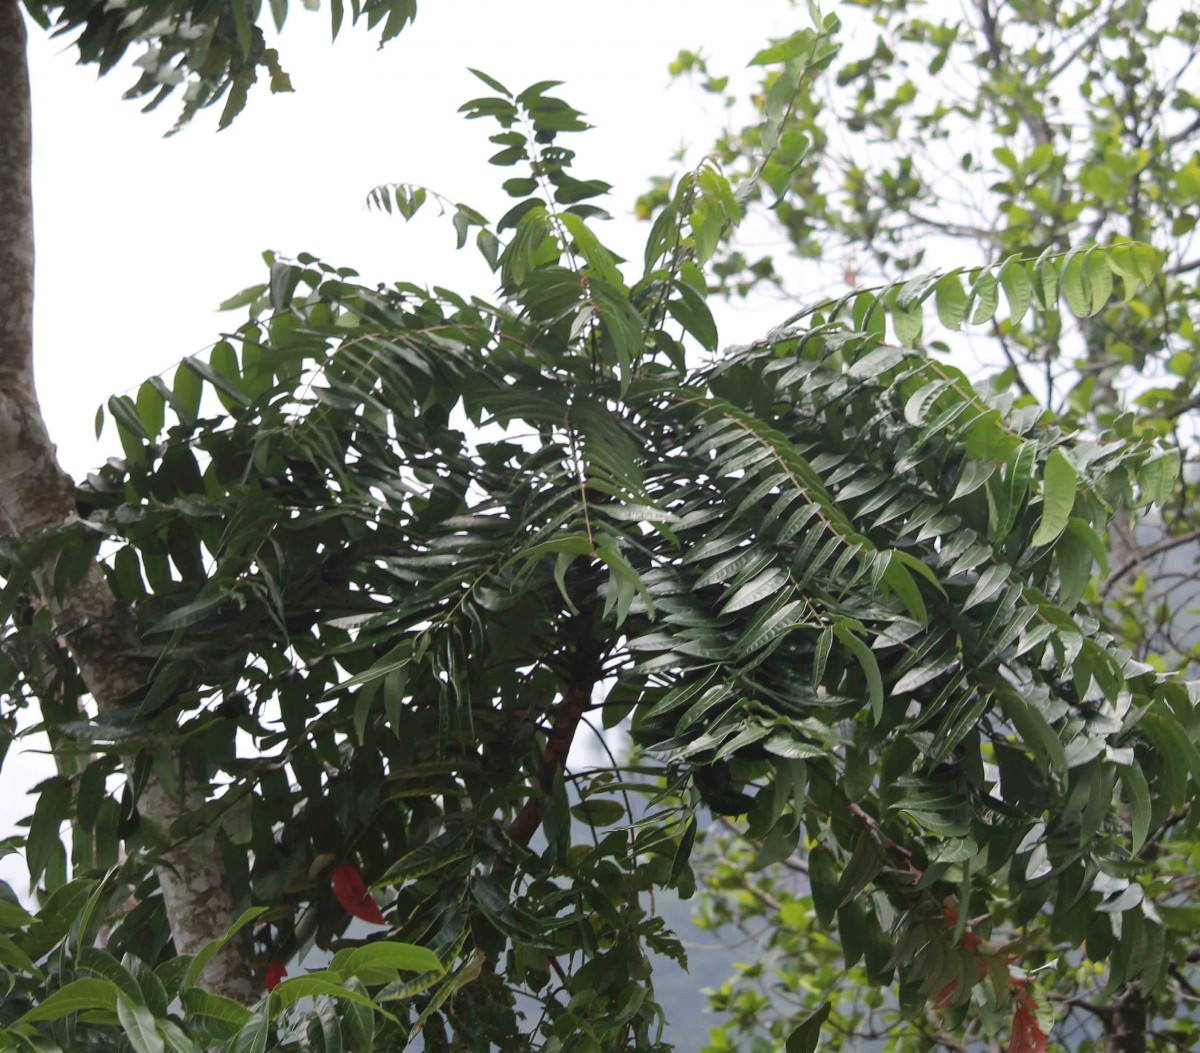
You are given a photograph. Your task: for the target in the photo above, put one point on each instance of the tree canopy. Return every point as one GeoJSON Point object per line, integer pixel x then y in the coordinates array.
{"type": "Point", "coordinates": [971, 135]}
{"type": "Point", "coordinates": [378, 558]}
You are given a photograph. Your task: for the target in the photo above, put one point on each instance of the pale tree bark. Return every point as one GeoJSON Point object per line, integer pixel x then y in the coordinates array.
{"type": "Point", "coordinates": [37, 496]}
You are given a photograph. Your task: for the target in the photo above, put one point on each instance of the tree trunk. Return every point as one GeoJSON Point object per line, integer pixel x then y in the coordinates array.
{"type": "Point", "coordinates": [1125, 1025]}
{"type": "Point", "coordinates": [37, 496]}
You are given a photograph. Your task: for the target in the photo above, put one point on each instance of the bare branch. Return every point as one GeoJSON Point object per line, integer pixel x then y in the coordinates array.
{"type": "Point", "coordinates": [1149, 552]}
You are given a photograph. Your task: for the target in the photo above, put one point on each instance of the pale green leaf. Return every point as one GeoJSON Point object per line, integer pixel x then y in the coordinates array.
{"type": "Point", "coordinates": [1076, 285]}
{"type": "Point", "coordinates": [1157, 476]}
{"type": "Point", "coordinates": [1058, 498]}
{"type": "Point", "coordinates": [765, 584]}
{"type": "Point", "coordinates": [138, 1024]}
{"type": "Point", "coordinates": [951, 301]}
{"type": "Point", "coordinates": [1045, 281]}
{"type": "Point", "coordinates": [386, 955]}
{"type": "Point", "coordinates": [224, 1011]}
{"type": "Point", "coordinates": [907, 321]}
{"type": "Point", "coordinates": [1100, 281]}
{"type": "Point", "coordinates": [75, 997]}
{"type": "Point", "coordinates": [1018, 290]}
{"type": "Point", "coordinates": [985, 295]}
{"type": "Point", "coordinates": [990, 582]}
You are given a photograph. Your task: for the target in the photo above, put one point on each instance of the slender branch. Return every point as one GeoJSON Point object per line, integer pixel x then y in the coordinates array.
{"type": "Point", "coordinates": [1088, 40]}
{"type": "Point", "coordinates": [1184, 407]}
{"type": "Point", "coordinates": [1149, 552]}
{"type": "Point", "coordinates": [1075, 1002]}
{"type": "Point", "coordinates": [1012, 361]}
{"type": "Point", "coordinates": [558, 970]}
{"type": "Point", "coordinates": [1183, 981]}
{"type": "Point", "coordinates": [1186, 267]}
{"type": "Point", "coordinates": [1166, 1036]}
{"type": "Point", "coordinates": [1039, 128]}
{"type": "Point", "coordinates": [1184, 132]}
{"type": "Point", "coordinates": [959, 229]}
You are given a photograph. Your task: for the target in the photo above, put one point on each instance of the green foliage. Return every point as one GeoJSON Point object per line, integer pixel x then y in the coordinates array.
{"type": "Point", "coordinates": [213, 51]}
{"type": "Point", "coordinates": [387, 551]}
{"type": "Point", "coordinates": [1044, 138]}
{"type": "Point", "coordinates": [87, 993]}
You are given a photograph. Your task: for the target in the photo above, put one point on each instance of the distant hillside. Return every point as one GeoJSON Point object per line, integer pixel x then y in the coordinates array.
{"type": "Point", "coordinates": [710, 963]}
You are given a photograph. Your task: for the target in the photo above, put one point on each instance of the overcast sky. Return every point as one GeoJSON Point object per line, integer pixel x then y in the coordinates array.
{"type": "Point", "coordinates": [139, 238]}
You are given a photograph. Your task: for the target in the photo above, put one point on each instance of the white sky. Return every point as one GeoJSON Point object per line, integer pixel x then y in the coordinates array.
{"type": "Point", "coordinates": [139, 237]}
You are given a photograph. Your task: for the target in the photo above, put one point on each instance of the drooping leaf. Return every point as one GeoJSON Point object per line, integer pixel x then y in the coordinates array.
{"type": "Point", "coordinates": [139, 1026]}
{"type": "Point", "coordinates": [805, 1038]}
{"type": "Point", "coordinates": [1058, 498]}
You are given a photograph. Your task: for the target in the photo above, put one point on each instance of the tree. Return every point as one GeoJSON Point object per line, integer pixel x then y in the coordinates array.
{"type": "Point", "coordinates": [1008, 128]}
{"type": "Point", "coordinates": [215, 53]}
{"type": "Point", "coordinates": [408, 543]}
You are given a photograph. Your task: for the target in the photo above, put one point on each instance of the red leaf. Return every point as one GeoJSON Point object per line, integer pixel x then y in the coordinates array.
{"type": "Point", "coordinates": [974, 948]}
{"type": "Point", "coordinates": [352, 894]}
{"type": "Point", "coordinates": [1027, 1034]}
{"type": "Point", "coordinates": [945, 996]}
{"type": "Point", "coordinates": [275, 972]}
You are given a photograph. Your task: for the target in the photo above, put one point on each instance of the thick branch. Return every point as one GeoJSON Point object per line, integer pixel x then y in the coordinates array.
{"type": "Point", "coordinates": [1125, 1028]}
{"type": "Point", "coordinates": [567, 715]}
{"type": "Point", "coordinates": [565, 722]}
{"type": "Point", "coordinates": [37, 496]}
{"type": "Point", "coordinates": [16, 202]}
{"type": "Point", "coordinates": [999, 57]}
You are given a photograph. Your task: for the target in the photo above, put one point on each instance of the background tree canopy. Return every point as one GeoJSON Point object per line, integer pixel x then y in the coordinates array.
{"type": "Point", "coordinates": [368, 567]}
{"type": "Point", "coordinates": [1008, 128]}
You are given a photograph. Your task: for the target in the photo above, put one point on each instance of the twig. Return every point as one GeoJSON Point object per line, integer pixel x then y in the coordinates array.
{"type": "Point", "coordinates": [1149, 552]}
